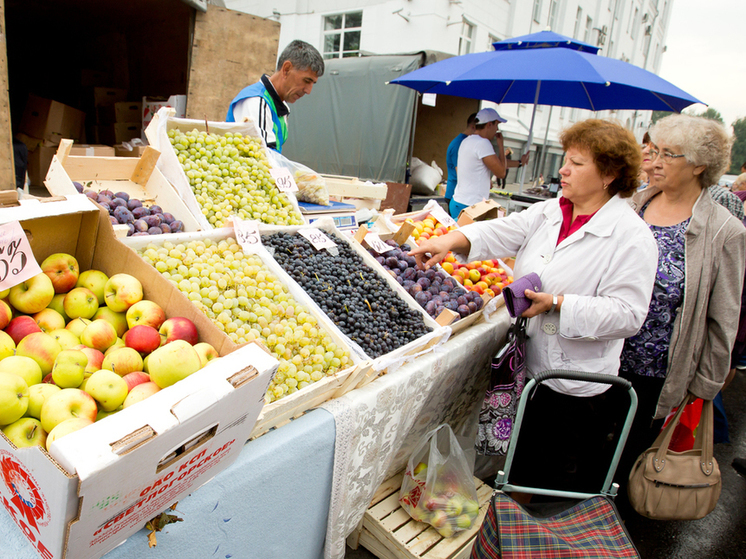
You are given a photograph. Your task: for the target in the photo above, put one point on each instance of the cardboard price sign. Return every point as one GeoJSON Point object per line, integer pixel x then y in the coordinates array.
{"type": "Point", "coordinates": [318, 239]}
{"type": "Point", "coordinates": [284, 180]}
{"type": "Point", "coordinates": [375, 242]}
{"type": "Point", "coordinates": [441, 215]}
{"type": "Point", "coordinates": [17, 262]}
{"type": "Point", "coordinates": [247, 233]}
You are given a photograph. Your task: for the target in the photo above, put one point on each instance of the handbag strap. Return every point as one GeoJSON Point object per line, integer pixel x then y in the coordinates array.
{"type": "Point", "coordinates": [664, 437]}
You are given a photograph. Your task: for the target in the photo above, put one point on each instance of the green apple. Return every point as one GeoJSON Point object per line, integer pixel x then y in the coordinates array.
{"type": "Point", "coordinates": [32, 295]}
{"type": "Point", "coordinates": [454, 506]}
{"type": "Point", "coordinates": [26, 432]}
{"type": "Point", "coordinates": [65, 338]}
{"type": "Point", "coordinates": [37, 395]}
{"type": "Point", "coordinates": [77, 325]}
{"type": "Point", "coordinates": [24, 367]}
{"type": "Point", "coordinates": [145, 313]}
{"type": "Point", "coordinates": [140, 393]}
{"type": "Point", "coordinates": [95, 358]}
{"type": "Point", "coordinates": [40, 347]}
{"type": "Point", "coordinates": [463, 521]}
{"type": "Point", "coordinates": [49, 319]}
{"type": "Point", "coordinates": [206, 352]}
{"type": "Point", "coordinates": [13, 398]}
{"type": "Point", "coordinates": [80, 302]}
{"type": "Point", "coordinates": [117, 319]}
{"type": "Point", "coordinates": [65, 404]}
{"type": "Point", "coordinates": [69, 368]}
{"type": "Point", "coordinates": [62, 269]}
{"type": "Point", "coordinates": [420, 468]}
{"type": "Point", "coordinates": [107, 388]}
{"type": "Point", "coordinates": [101, 413]}
{"type": "Point", "coordinates": [122, 361]}
{"type": "Point", "coordinates": [122, 291]}
{"type": "Point", "coordinates": [58, 305]}
{"type": "Point", "coordinates": [119, 344]}
{"type": "Point", "coordinates": [7, 345]}
{"type": "Point", "coordinates": [65, 428]}
{"type": "Point", "coordinates": [99, 334]}
{"type": "Point", "coordinates": [438, 519]}
{"type": "Point", "coordinates": [471, 507]}
{"type": "Point", "coordinates": [173, 362]}
{"type": "Point", "coordinates": [95, 280]}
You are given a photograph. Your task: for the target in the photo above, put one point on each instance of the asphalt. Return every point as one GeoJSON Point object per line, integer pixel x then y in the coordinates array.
{"type": "Point", "coordinates": [722, 533]}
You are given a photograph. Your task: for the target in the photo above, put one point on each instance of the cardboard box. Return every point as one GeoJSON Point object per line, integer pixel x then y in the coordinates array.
{"type": "Point", "coordinates": [121, 150]}
{"type": "Point", "coordinates": [51, 121]}
{"type": "Point", "coordinates": [101, 484]}
{"type": "Point", "coordinates": [117, 132]}
{"type": "Point", "coordinates": [92, 150]}
{"type": "Point", "coordinates": [121, 111]}
{"type": "Point", "coordinates": [39, 161]}
{"type": "Point", "coordinates": [108, 96]}
{"type": "Point", "coordinates": [489, 209]}
{"type": "Point", "coordinates": [151, 105]}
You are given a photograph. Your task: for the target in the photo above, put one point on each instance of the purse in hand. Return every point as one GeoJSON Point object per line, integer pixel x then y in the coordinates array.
{"type": "Point", "coordinates": [668, 485]}
{"type": "Point", "coordinates": [515, 299]}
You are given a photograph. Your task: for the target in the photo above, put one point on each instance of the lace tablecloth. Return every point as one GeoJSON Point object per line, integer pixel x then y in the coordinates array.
{"type": "Point", "coordinates": [377, 426]}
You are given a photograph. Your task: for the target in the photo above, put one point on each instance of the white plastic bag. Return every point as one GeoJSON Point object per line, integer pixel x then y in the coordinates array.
{"type": "Point", "coordinates": [438, 487]}
{"type": "Point", "coordinates": [424, 178]}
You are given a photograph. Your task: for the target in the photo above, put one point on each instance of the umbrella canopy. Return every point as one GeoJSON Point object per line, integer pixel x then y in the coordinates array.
{"type": "Point", "coordinates": [543, 39]}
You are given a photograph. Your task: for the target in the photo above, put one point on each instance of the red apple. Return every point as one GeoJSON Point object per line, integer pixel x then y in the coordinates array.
{"type": "Point", "coordinates": [142, 339]}
{"type": "Point", "coordinates": [179, 328]}
{"type": "Point", "coordinates": [95, 358]}
{"type": "Point", "coordinates": [99, 334]}
{"type": "Point", "coordinates": [49, 319]}
{"type": "Point", "coordinates": [20, 327]}
{"type": "Point", "coordinates": [6, 314]}
{"type": "Point", "coordinates": [122, 291]}
{"type": "Point", "coordinates": [32, 295]}
{"type": "Point", "coordinates": [117, 319]}
{"type": "Point", "coordinates": [135, 378]}
{"type": "Point", "coordinates": [62, 269]}
{"type": "Point", "coordinates": [146, 313]}
{"type": "Point", "coordinates": [40, 347]}
{"type": "Point", "coordinates": [139, 393]}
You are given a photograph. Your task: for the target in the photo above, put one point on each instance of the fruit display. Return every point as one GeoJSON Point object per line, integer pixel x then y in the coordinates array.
{"type": "Point", "coordinates": [352, 294]}
{"type": "Point", "coordinates": [139, 217]}
{"type": "Point", "coordinates": [433, 289]}
{"type": "Point", "coordinates": [248, 302]}
{"type": "Point", "coordinates": [447, 507]}
{"type": "Point", "coordinates": [91, 346]}
{"type": "Point", "coordinates": [229, 175]}
{"type": "Point", "coordinates": [429, 227]}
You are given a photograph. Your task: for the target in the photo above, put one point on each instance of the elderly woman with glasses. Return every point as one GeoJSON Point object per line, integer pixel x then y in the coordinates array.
{"type": "Point", "coordinates": [685, 343]}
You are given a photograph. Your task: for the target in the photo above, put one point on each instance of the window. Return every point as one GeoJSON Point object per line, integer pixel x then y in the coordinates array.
{"type": "Point", "coordinates": [553, 13]}
{"type": "Point", "coordinates": [537, 11]}
{"type": "Point", "coordinates": [342, 35]}
{"type": "Point", "coordinates": [588, 29]}
{"type": "Point", "coordinates": [578, 23]}
{"type": "Point", "coordinates": [491, 39]}
{"type": "Point", "coordinates": [466, 38]}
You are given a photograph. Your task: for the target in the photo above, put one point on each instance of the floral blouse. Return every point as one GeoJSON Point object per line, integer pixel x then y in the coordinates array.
{"type": "Point", "coordinates": [646, 353]}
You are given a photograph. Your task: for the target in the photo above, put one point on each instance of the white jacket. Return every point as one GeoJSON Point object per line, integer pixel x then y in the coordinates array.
{"type": "Point", "coordinates": [605, 271]}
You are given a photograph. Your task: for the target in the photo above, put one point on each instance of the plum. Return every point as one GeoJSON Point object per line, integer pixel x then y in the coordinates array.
{"type": "Point", "coordinates": [123, 215]}
{"type": "Point", "coordinates": [78, 186]}
{"type": "Point", "coordinates": [462, 299]}
{"type": "Point", "coordinates": [415, 288]}
{"type": "Point", "coordinates": [105, 206]}
{"type": "Point", "coordinates": [177, 226]}
{"type": "Point", "coordinates": [392, 262]}
{"type": "Point", "coordinates": [406, 248]}
{"type": "Point", "coordinates": [141, 225]}
{"type": "Point", "coordinates": [392, 272]}
{"type": "Point", "coordinates": [116, 202]}
{"type": "Point", "coordinates": [407, 283]}
{"type": "Point", "coordinates": [447, 287]}
{"type": "Point", "coordinates": [472, 307]}
{"type": "Point", "coordinates": [165, 227]}
{"type": "Point", "coordinates": [156, 209]}
{"type": "Point", "coordinates": [430, 307]}
{"type": "Point", "coordinates": [142, 211]}
{"type": "Point", "coordinates": [479, 302]}
{"type": "Point", "coordinates": [168, 218]}
{"type": "Point", "coordinates": [444, 295]}
{"type": "Point", "coordinates": [123, 195]}
{"type": "Point", "coordinates": [103, 199]}
{"type": "Point", "coordinates": [409, 273]}
{"type": "Point", "coordinates": [463, 310]}
{"type": "Point", "coordinates": [130, 229]}
{"type": "Point", "coordinates": [433, 289]}
{"type": "Point", "coordinates": [108, 193]}
{"type": "Point", "coordinates": [403, 265]}
{"type": "Point", "coordinates": [392, 243]}
{"type": "Point", "coordinates": [155, 231]}
{"type": "Point", "coordinates": [381, 260]}
{"type": "Point", "coordinates": [421, 298]}
{"type": "Point", "coordinates": [452, 305]}
{"type": "Point", "coordinates": [114, 220]}
{"type": "Point", "coordinates": [92, 194]}
{"type": "Point", "coordinates": [411, 260]}
{"type": "Point", "coordinates": [424, 282]}
{"type": "Point", "coordinates": [400, 280]}
{"type": "Point", "coordinates": [152, 220]}
{"type": "Point", "coordinates": [133, 203]}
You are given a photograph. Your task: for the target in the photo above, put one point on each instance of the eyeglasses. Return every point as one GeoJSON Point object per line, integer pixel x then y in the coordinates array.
{"type": "Point", "coordinates": [666, 156]}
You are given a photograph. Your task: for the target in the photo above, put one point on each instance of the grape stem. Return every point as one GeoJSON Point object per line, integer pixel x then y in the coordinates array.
{"type": "Point", "coordinates": [369, 307]}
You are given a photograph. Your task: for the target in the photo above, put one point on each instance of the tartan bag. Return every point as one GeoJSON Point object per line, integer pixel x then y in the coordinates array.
{"type": "Point", "coordinates": [590, 529]}
{"type": "Point", "coordinates": [500, 404]}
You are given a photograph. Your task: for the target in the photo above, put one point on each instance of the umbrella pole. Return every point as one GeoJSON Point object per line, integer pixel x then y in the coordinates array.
{"type": "Point", "coordinates": [530, 135]}
{"type": "Point", "coordinates": [546, 137]}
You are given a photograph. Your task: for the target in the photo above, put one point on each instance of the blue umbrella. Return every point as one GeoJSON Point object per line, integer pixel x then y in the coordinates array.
{"type": "Point", "coordinates": [546, 68]}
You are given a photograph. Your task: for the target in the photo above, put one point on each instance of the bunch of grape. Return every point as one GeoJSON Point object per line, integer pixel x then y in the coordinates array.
{"type": "Point", "coordinates": [247, 302]}
{"type": "Point", "coordinates": [229, 175]}
{"type": "Point", "coordinates": [433, 289]}
{"type": "Point", "coordinates": [353, 295]}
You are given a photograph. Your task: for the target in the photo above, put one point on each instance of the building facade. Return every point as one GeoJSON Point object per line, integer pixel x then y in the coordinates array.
{"type": "Point", "coordinates": [629, 30]}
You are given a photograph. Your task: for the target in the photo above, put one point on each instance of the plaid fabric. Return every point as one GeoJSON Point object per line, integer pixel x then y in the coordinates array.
{"type": "Point", "coordinates": [589, 530]}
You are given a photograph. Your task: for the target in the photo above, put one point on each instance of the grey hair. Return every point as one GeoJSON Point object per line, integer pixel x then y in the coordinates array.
{"type": "Point", "coordinates": [302, 56]}
{"type": "Point", "coordinates": [703, 141]}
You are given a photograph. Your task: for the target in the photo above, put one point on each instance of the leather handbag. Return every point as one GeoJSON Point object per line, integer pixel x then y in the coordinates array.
{"type": "Point", "coordinates": [668, 485]}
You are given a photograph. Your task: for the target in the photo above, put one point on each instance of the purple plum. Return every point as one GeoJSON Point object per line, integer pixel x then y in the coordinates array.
{"type": "Point", "coordinates": [141, 225]}
{"type": "Point", "coordinates": [133, 203]}
{"type": "Point", "coordinates": [155, 231]}
{"type": "Point", "coordinates": [142, 211]}
{"type": "Point", "coordinates": [165, 227]}
{"type": "Point", "coordinates": [123, 195]}
{"type": "Point", "coordinates": [156, 209]}
{"type": "Point", "coordinates": [177, 226]}
{"type": "Point", "coordinates": [123, 215]}
{"type": "Point", "coordinates": [78, 186]}
{"type": "Point", "coordinates": [463, 310]}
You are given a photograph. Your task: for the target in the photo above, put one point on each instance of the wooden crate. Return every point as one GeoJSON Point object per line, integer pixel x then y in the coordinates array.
{"type": "Point", "coordinates": [389, 532]}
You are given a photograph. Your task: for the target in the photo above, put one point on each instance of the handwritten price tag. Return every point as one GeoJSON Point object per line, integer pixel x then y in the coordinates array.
{"type": "Point", "coordinates": [247, 233]}
{"type": "Point", "coordinates": [375, 242]}
{"type": "Point", "coordinates": [17, 262]}
{"type": "Point", "coordinates": [284, 180]}
{"type": "Point", "coordinates": [441, 215]}
{"type": "Point", "coordinates": [317, 238]}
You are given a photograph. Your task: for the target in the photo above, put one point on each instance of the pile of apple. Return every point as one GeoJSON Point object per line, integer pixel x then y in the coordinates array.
{"type": "Point", "coordinates": [77, 347]}
{"type": "Point", "coordinates": [448, 507]}
{"type": "Point", "coordinates": [479, 276]}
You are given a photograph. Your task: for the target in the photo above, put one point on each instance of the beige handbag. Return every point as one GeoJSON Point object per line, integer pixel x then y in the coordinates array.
{"type": "Point", "coordinates": [667, 485]}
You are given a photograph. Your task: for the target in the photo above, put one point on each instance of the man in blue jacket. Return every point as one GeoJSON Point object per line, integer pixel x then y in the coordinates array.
{"type": "Point", "coordinates": [299, 67]}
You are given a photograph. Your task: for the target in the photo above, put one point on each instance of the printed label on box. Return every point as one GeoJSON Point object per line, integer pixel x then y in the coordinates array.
{"type": "Point", "coordinates": [17, 262]}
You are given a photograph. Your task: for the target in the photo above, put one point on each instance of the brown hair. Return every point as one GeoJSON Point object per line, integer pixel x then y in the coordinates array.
{"type": "Point", "coordinates": [614, 149]}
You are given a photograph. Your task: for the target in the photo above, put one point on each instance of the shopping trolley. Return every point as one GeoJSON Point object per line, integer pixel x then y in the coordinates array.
{"type": "Point", "coordinates": [588, 526]}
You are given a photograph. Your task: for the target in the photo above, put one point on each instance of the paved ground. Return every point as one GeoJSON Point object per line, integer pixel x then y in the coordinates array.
{"type": "Point", "coordinates": [721, 534]}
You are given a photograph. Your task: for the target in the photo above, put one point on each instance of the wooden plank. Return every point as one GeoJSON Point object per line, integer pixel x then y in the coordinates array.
{"type": "Point", "coordinates": [422, 543]}
{"type": "Point", "coordinates": [404, 232]}
{"type": "Point", "coordinates": [63, 150]}
{"type": "Point", "coordinates": [385, 507]}
{"type": "Point", "coordinates": [145, 166]}
{"type": "Point", "coordinates": [7, 159]}
{"type": "Point", "coordinates": [396, 520]}
{"type": "Point", "coordinates": [369, 542]}
{"type": "Point", "coordinates": [352, 381]}
{"type": "Point", "coordinates": [230, 50]}
{"type": "Point", "coordinates": [388, 487]}
{"type": "Point", "coordinates": [450, 546]}
{"type": "Point", "coordinates": [411, 530]}
{"type": "Point", "coordinates": [80, 168]}
{"type": "Point", "coordinates": [352, 188]}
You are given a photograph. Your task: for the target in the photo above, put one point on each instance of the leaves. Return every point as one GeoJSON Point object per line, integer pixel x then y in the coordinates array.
{"type": "Point", "coordinates": [159, 522]}
{"type": "Point", "coordinates": [738, 153]}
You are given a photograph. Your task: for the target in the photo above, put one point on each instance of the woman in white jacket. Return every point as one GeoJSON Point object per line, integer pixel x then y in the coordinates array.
{"type": "Point", "coordinates": [597, 262]}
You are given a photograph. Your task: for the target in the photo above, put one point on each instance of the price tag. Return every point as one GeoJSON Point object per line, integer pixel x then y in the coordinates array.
{"type": "Point", "coordinates": [375, 242]}
{"type": "Point", "coordinates": [317, 238]}
{"type": "Point", "coordinates": [440, 214]}
{"type": "Point", "coordinates": [247, 233]}
{"type": "Point", "coordinates": [284, 179]}
{"type": "Point", "coordinates": [17, 262]}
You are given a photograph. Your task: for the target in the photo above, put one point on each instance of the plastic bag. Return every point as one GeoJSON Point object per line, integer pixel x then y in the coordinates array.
{"type": "Point", "coordinates": [311, 185]}
{"type": "Point", "coordinates": [438, 487]}
{"type": "Point", "coordinates": [424, 178]}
